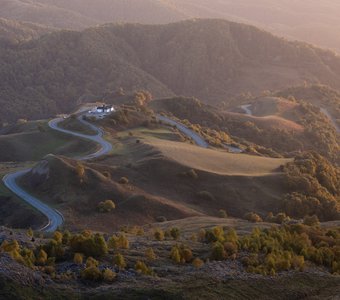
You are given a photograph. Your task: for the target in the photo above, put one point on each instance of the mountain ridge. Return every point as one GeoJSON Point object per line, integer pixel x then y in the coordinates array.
{"type": "Point", "coordinates": [210, 59]}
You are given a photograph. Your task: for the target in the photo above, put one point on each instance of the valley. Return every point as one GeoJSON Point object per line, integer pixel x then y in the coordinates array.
{"type": "Point", "coordinates": [191, 160]}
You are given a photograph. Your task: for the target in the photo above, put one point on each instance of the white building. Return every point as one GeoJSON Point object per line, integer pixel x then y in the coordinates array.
{"type": "Point", "coordinates": [105, 109]}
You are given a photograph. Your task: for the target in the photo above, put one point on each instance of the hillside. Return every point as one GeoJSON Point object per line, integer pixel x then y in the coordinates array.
{"type": "Point", "coordinates": [14, 32]}
{"type": "Point", "coordinates": [280, 124]}
{"type": "Point", "coordinates": [78, 14]}
{"type": "Point", "coordinates": [209, 59]}
{"type": "Point", "coordinates": [320, 23]}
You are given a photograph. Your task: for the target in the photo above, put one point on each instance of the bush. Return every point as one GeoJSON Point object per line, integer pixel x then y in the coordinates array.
{"type": "Point", "coordinates": [161, 219]}
{"type": "Point", "coordinates": [123, 180]}
{"type": "Point", "coordinates": [106, 206]}
{"type": "Point", "coordinates": [181, 254]}
{"type": "Point", "coordinates": [80, 171]}
{"type": "Point", "coordinates": [159, 234]}
{"type": "Point", "coordinates": [109, 275]}
{"type": "Point", "coordinates": [119, 261]}
{"type": "Point", "coordinates": [218, 252]}
{"type": "Point", "coordinates": [253, 217]}
{"type": "Point", "coordinates": [78, 258]}
{"type": "Point", "coordinates": [197, 263]}
{"type": "Point", "coordinates": [92, 273]}
{"type": "Point", "coordinates": [175, 233]}
{"type": "Point", "coordinates": [141, 267]}
{"type": "Point", "coordinates": [118, 242]}
{"type": "Point", "coordinates": [91, 262]}
{"type": "Point", "coordinates": [205, 195]}
{"type": "Point", "coordinates": [311, 220]}
{"type": "Point", "coordinates": [222, 214]}
{"type": "Point", "coordinates": [89, 244]}
{"type": "Point", "coordinates": [150, 254]}
{"type": "Point", "coordinates": [42, 258]}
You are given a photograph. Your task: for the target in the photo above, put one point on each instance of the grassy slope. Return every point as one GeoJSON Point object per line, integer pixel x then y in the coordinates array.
{"type": "Point", "coordinates": [218, 162]}
{"type": "Point", "coordinates": [32, 146]}
{"type": "Point", "coordinates": [77, 126]}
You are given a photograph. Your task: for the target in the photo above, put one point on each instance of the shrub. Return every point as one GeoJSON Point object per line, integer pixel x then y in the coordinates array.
{"type": "Point", "coordinates": [222, 214]}
{"type": "Point", "coordinates": [141, 267]}
{"type": "Point", "coordinates": [109, 275]}
{"type": "Point", "coordinates": [30, 232]}
{"type": "Point", "coordinates": [197, 263]}
{"type": "Point", "coordinates": [253, 217]}
{"type": "Point", "coordinates": [175, 255]}
{"type": "Point", "coordinates": [175, 233]}
{"type": "Point", "coordinates": [181, 254]}
{"type": "Point", "coordinates": [159, 234]}
{"type": "Point", "coordinates": [118, 242]}
{"type": "Point", "coordinates": [161, 219]}
{"type": "Point", "coordinates": [218, 252]}
{"type": "Point", "coordinates": [42, 257]}
{"type": "Point", "coordinates": [91, 262]}
{"type": "Point", "coordinates": [78, 258]}
{"type": "Point", "coordinates": [123, 180]}
{"type": "Point", "coordinates": [106, 206]}
{"type": "Point", "coordinates": [92, 273]}
{"type": "Point", "coordinates": [80, 170]}
{"type": "Point", "coordinates": [311, 220]}
{"type": "Point", "coordinates": [150, 254]}
{"type": "Point", "coordinates": [119, 261]}
{"type": "Point", "coordinates": [205, 195]}
{"type": "Point", "coordinates": [89, 244]}
{"type": "Point", "coordinates": [58, 237]}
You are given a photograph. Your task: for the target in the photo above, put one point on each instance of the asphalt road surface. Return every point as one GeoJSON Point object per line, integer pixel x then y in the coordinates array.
{"type": "Point", "coordinates": [55, 218]}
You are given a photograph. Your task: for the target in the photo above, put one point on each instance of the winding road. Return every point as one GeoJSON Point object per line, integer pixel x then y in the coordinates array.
{"type": "Point", "coordinates": [188, 132]}
{"type": "Point", "coordinates": [55, 218]}
{"type": "Point", "coordinates": [193, 135]}
{"type": "Point", "coordinates": [247, 109]}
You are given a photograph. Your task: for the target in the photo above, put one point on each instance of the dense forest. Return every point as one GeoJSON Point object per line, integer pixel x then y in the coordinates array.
{"type": "Point", "coordinates": [209, 59]}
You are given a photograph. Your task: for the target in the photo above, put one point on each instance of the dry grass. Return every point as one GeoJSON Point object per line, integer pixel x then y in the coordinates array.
{"type": "Point", "coordinates": [218, 162]}
{"type": "Point", "coordinates": [268, 122]}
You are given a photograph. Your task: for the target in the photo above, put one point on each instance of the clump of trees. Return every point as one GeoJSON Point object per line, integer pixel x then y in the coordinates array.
{"type": "Point", "coordinates": [181, 254]}
{"type": "Point", "coordinates": [314, 185]}
{"type": "Point", "coordinates": [106, 206]}
{"type": "Point", "coordinates": [268, 251]}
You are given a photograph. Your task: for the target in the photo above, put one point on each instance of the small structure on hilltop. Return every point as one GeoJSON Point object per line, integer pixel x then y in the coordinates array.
{"type": "Point", "coordinates": [105, 109]}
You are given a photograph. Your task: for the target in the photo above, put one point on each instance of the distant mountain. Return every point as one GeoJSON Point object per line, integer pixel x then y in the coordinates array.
{"type": "Point", "coordinates": [78, 14]}
{"type": "Point", "coordinates": [312, 21]}
{"type": "Point", "coordinates": [209, 59]}
{"type": "Point", "coordinates": [14, 32]}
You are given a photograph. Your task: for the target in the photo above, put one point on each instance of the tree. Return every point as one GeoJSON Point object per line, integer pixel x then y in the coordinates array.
{"type": "Point", "coordinates": [106, 206]}
{"type": "Point", "coordinates": [91, 262]}
{"type": "Point", "coordinates": [109, 275]}
{"type": "Point", "coordinates": [78, 258]}
{"type": "Point", "coordinates": [141, 267]}
{"type": "Point", "coordinates": [80, 171]}
{"type": "Point", "coordinates": [58, 237]}
{"type": "Point", "coordinates": [119, 261]}
{"type": "Point", "coordinates": [42, 257]}
{"type": "Point", "coordinates": [150, 254]}
{"type": "Point", "coordinates": [175, 233]}
{"type": "Point", "coordinates": [311, 220]}
{"type": "Point", "coordinates": [218, 252]}
{"type": "Point", "coordinates": [30, 232]}
{"type": "Point", "coordinates": [159, 234]}
{"type": "Point", "coordinates": [92, 273]}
